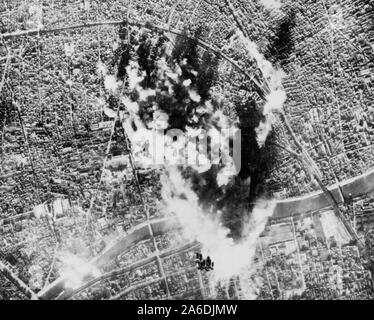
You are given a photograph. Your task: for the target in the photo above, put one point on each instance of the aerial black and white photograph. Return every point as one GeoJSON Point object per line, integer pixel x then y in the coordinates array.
{"type": "Point", "coordinates": [186, 150]}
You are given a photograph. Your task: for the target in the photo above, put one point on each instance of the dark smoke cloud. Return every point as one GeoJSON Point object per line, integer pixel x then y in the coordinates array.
{"type": "Point", "coordinates": [236, 199]}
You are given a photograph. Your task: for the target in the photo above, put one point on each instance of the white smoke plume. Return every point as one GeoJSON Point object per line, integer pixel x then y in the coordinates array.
{"type": "Point", "coordinates": [110, 81]}
{"type": "Point", "coordinates": [145, 136]}
{"type": "Point", "coordinates": [263, 129]}
{"type": "Point", "coordinates": [277, 96]}
{"type": "Point", "coordinates": [74, 269]}
{"type": "Point", "coordinates": [101, 68]}
{"type": "Point", "coordinates": [271, 4]}
{"type": "Point", "coordinates": [230, 258]}
{"type": "Point", "coordinates": [134, 76]}
{"type": "Point", "coordinates": [35, 15]}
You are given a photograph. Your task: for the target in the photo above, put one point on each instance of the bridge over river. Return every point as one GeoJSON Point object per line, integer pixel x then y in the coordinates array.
{"type": "Point", "coordinates": [355, 187]}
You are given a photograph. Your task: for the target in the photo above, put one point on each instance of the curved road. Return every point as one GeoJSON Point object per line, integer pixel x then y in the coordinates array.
{"type": "Point", "coordinates": [263, 88]}
{"type": "Point", "coordinates": [357, 186]}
